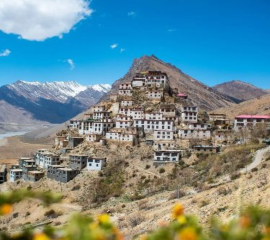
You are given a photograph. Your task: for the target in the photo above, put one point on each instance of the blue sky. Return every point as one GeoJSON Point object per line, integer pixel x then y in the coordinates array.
{"type": "Point", "coordinates": [212, 41]}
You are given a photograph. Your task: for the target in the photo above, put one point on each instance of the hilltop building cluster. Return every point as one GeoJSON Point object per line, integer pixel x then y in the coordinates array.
{"type": "Point", "coordinates": [147, 111]}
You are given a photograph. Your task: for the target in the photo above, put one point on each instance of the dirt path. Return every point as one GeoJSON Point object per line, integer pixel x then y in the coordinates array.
{"type": "Point", "coordinates": [257, 160]}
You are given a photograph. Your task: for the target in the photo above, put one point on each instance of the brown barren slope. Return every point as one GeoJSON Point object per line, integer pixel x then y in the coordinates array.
{"type": "Point", "coordinates": [239, 91]}
{"type": "Point", "coordinates": [199, 93]}
{"type": "Point", "coordinates": [259, 105]}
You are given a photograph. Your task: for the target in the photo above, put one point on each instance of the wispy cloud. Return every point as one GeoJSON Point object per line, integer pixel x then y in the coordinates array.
{"type": "Point", "coordinates": [172, 30]}
{"type": "Point", "coordinates": [122, 49]}
{"type": "Point", "coordinates": [71, 63]}
{"type": "Point", "coordinates": [5, 53]}
{"type": "Point", "coordinates": [132, 14]}
{"type": "Point", "coordinates": [113, 46]}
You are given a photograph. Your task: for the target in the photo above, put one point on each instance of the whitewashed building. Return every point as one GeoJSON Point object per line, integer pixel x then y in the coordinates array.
{"type": "Point", "coordinates": [167, 156]}
{"type": "Point", "coordinates": [101, 115]}
{"type": "Point", "coordinates": [138, 81]}
{"type": "Point", "coordinates": [154, 116]}
{"type": "Point", "coordinates": [168, 110]}
{"type": "Point", "coordinates": [95, 164]}
{"type": "Point", "coordinates": [15, 174]}
{"type": "Point", "coordinates": [189, 114]}
{"type": "Point", "coordinates": [250, 121]}
{"type": "Point", "coordinates": [125, 86]}
{"type": "Point", "coordinates": [74, 124]}
{"type": "Point", "coordinates": [123, 121]}
{"type": "Point", "coordinates": [198, 126]}
{"type": "Point", "coordinates": [98, 127]}
{"type": "Point", "coordinates": [155, 94]}
{"type": "Point", "coordinates": [156, 78]}
{"type": "Point", "coordinates": [164, 145]}
{"type": "Point", "coordinates": [151, 125]}
{"type": "Point", "coordinates": [99, 108]}
{"type": "Point", "coordinates": [93, 137]}
{"type": "Point", "coordinates": [126, 103]}
{"type": "Point", "coordinates": [44, 159]}
{"type": "Point", "coordinates": [135, 113]}
{"type": "Point", "coordinates": [128, 135]}
{"type": "Point", "coordinates": [194, 134]}
{"type": "Point", "coordinates": [163, 135]}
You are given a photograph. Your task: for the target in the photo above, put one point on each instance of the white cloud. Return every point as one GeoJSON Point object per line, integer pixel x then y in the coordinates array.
{"type": "Point", "coordinates": [131, 14]}
{"type": "Point", "coordinates": [5, 53]}
{"type": "Point", "coordinates": [122, 49]}
{"type": "Point", "coordinates": [71, 63]}
{"type": "Point", "coordinates": [41, 19]}
{"type": "Point", "coordinates": [171, 30]}
{"type": "Point", "coordinates": [113, 46]}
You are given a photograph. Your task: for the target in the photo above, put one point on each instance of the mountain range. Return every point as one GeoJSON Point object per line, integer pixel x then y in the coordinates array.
{"type": "Point", "coordinates": [199, 94]}
{"type": "Point", "coordinates": [56, 102]}
{"type": "Point", "coordinates": [239, 91]}
{"type": "Point", "coordinates": [51, 102]}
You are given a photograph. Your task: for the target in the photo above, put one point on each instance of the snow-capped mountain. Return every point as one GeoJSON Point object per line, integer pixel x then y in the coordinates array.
{"type": "Point", "coordinates": [53, 102]}
{"type": "Point", "coordinates": [59, 91]}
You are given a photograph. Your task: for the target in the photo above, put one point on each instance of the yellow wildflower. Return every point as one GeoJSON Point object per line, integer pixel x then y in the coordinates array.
{"type": "Point", "coordinates": [178, 210]}
{"type": "Point", "coordinates": [5, 209]}
{"type": "Point", "coordinates": [182, 219]}
{"type": "Point", "coordinates": [143, 237]}
{"type": "Point", "coordinates": [41, 236]}
{"type": "Point", "coordinates": [93, 225]}
{"type": "Point", "coordinates": [98, 234]}
{"type": "Point", "coordinates": [188, 234]}
{"type": "Point", "coordinates": [104, 218]}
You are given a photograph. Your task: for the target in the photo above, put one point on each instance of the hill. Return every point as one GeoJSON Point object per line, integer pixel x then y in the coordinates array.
{"type": "Point", "coordinates": [200, 94]}
{"type": "Point", "coordinates": [259, 106]}
{"type": "Point", "coordinates": [51, 102]}
{"type": "Point", "coordinates": [239, 91]}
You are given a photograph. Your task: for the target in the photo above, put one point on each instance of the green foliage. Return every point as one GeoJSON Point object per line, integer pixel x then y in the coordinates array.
{"type": "Point", "coordinates": [47, 198]}
{"type": "Point", "coordinates": [252, 224]}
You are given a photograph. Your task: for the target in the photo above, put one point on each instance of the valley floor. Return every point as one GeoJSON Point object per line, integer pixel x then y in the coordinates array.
{"type": "Point", "coordinates": [17, 147]}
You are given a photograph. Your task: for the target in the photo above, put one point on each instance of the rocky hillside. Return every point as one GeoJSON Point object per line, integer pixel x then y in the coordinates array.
{"type": "Point", "coordinates": [239, 91]}
{"type": "Point", "coordinates": [54, 102]}
{"type": "Point", "coordinates": [200, 94]}
{"type": "Point", "coordinates": [259, 106]}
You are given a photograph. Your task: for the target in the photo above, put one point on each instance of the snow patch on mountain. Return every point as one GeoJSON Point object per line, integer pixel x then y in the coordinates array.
{"type": "Point", "coordinates": [101, 87]}
{"type": "Point", "coordinates": [59, 91]}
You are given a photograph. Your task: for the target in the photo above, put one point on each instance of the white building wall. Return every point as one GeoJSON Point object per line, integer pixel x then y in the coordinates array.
{"type": "Point", "coordinates": [151, 125]}
{"type": "Point", "coordinates": [126, 92]}
{"type": "Point", "coordinates": [123, 124]}
{"type": "Point", "coordinates": [14, 175]}
{"type": "Point", "coordinates": [163, 135]}
{"type": "Point", "coordinates": [166, 156]}
{"type": "Point", "coordinates": [95, 164]}
{"type": "Point", "coordinates": [126, 103]}
{"type": "Point", "coordinates": [194, 134]}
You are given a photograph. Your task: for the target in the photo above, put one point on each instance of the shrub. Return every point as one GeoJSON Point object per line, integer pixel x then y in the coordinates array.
{"type": "Point", "coordinates": [204, 203]}
{"type": "Point", "coordinates": [162, 170]}
{"type": "Point", "coordinates": [136, 219]}
{"type": "Point", "coordinates": [144, 205]}
{"type": "Point", "coordinates": [76, 187]}
{"type": "Point", "coordinates": [177, 194]}
{"type": "Point", "coordinates": [254, 169]}
{"type": "Point", "coordinates": [147, 166]}
{"type": "Point", "coordinates": [235, 175]}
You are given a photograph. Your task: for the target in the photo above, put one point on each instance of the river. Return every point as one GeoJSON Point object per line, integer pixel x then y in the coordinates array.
{"type": "Point", "coordinates": [11, 134]}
